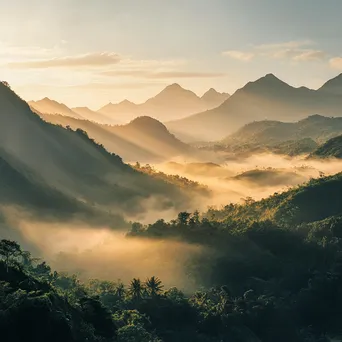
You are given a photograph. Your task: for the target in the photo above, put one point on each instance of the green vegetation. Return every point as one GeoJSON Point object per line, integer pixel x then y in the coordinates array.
{"type": "Point", "coordinates": [64, 163]}
{"type": "Point", "coordinates": [269, 271]}
{"type": "Point", "coordinates": [331, 149]}
{"type": "Point", "coordinates": [181, 182]}
{"type": "Point", "coordinates": [289, 147]}
{"type": "Point", "coordinates": [316, 127]}
{"type": "Point", "coordinates": [284, 250]}
{"type": "Point", "coordinates": [269, 177]}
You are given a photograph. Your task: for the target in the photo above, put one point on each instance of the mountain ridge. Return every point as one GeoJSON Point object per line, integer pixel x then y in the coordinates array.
{"type": "Point", "coordinates": [76, 165]}
{"type": "Point", "coordinates": [265, 98]}
{"type": "Point", "coordinates": [172, 101]}
{"type": "Point", "coordinates": [144, 139]}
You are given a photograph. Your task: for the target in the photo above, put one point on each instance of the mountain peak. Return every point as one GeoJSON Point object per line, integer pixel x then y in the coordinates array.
{"type": "Point", "coordinates": [146, 122]}
{"type": "Point", "coordinates": [211, 91]}
{"type": "Point", "coordinates": [333, 86]}
{"type": "Point", "coordinates": [270, 78]}
{"type": "Point", "coordinates": [126, 102]}
{"type": "Point", "coordinates": [269, 83]}
{"type": "Point", "coordinates": [173, 91]}
{"type": "Point", "coordinates": [174, 86]}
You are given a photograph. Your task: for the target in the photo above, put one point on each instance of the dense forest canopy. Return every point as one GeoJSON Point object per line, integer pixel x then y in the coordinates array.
{"type": "Point", "coordinates": [272, 270]}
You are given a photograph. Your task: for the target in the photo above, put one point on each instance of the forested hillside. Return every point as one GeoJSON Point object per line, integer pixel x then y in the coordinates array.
{"type": "Point", "coordinates": [269, 270]}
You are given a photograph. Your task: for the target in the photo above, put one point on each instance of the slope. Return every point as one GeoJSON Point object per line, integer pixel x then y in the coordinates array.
{"type": "Point", "coordinates": [333, 86]}
{"type": "Point", "coordinates": [213, 98]}
{"type": "Point", "coordinates": [53, 107]}
{"type": "Point", "coordinates": [88, 114]}
{"type": "Point", "coordinates": [75, 165]}
{"type": "Point", "coordinates": [266, 98]}
{"type": "Point", "coordinates": [121, 112]}
{"type": "Point", "coordinates": [144, 139]}
{"type": "Point", "coordinates": [316, 127]}
{"type": "Point", "coordinates": [313, 201]}
{"type": "Point", "coordinates": [331, 149]}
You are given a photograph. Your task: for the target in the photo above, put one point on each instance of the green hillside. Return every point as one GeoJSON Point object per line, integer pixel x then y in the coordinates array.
{"type": "Point", "coordinates": [75, 165]}
{"type": "Point", "coordinates": [331, 149]}
{"type": "Point", "coordinates": [268, 271]}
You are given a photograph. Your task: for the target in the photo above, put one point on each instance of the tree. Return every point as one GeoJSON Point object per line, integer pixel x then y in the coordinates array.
{"type": "Point", "coordinates": [43, 271]}
{"type": "Point", "coordinates": [183, 218]}
{"type": "Point", "coordinates": [136, 288]}
{"type": "Point", "coordinates": [6, 84]}
{"type": "Point", "coordinates": [136, 227]}
{"type": "Point", "coordinates": [120, 290]}
{"type": "Point", "coordinates": [154, 286]}
{"type": "Point", "coordinates": [9, 251]}
{"type": "Point", "coordinates": [194, 219]}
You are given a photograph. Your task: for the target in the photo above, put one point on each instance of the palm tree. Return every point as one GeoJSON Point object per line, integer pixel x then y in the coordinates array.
{"type": "Point", "coordinates": [120, 290]}
{"type": "Point", "coordinates": [136, 288]}
{"type": "Point", "coordinates": [154, 286]}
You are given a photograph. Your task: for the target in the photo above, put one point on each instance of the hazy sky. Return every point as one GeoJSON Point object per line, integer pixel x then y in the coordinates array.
{"type": "Point", "coordinates": [90, 52]}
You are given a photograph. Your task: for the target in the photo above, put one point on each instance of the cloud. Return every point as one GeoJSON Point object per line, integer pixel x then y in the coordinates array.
{"type": "Point", "coordinates": [336, 63]}
{"type": "Point", "coordinates": [300, 51]}
{"type": "Point", "coordinates": [240, 55]}
{"type": "Point", "coordinates": [284, 45]}
{"type": "Point", "coordinates": [146, 74]}
{"type": "Point", "coordinates": [109, 86]}
{"type": "Point", "coordinates": [311, 55]}
{"type": "Point", "coordinates": [87, 60]}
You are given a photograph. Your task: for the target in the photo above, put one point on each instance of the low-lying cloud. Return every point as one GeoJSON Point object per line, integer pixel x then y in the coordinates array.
{"type": "Point", "coordinates": [161, 75]}
{"type": "Point", "coordinates": [87, 60]}
{"type": "Point", "coordinates": [293, 50]}
{"type": "Point", "coordinates": [89, 252]}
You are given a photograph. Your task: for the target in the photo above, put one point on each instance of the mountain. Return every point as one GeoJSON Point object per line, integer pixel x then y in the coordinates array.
{"type": "Point", "coordinates": [51, 107]}
{"type": "Point", "coordinates": [266, 98]}
{"type": "Point", "coordinates": [22, 187]}
{"type": "Point", "coordinates": [213, 98]}
{"type": "Point", "coordinates": [331, 149]}
{"type": "Point", "coordinates": [88, 114]}
{"type": "Point", "coordinates": [316, 127]}
{"type": "Point", "coordinates": [172, 102]}
{"type": "Point", "coordinates": [74, 165]}
{"type": "Point", "coordinates": [123, 111]}
{"type": "Point", "coordinates": [144, 139]}
{"type": "Point", "coordinates": [333, 86]}
{"type": "Point", "coordinates": [48, 106]}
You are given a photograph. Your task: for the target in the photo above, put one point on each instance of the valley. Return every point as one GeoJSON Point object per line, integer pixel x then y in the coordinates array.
{"type": "Point", "coordinates": [170, 171]}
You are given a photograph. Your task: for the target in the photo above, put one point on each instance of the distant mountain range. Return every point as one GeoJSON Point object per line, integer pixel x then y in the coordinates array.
{"type": "Point", "coordinates": [45, 163]}
{"type": "Point", "coordinates": [144, 139]}
{"type": "Point", "coordinates": [53, 107]}
{"type": "Point", "coordinates": [48, 106]}
{"type": "Point", "coordinates": [174, 102]}
{"type": "Point", "coordinates": [266, 98]}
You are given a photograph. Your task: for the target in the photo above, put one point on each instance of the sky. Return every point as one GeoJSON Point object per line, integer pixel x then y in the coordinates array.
{"type": "Point", "coordinates": [91, 52]}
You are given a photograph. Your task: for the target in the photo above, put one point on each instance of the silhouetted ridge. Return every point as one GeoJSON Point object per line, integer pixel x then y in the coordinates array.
{"type": "Point", "coordinates": [333, 86]}
{"type": "Point", "coordinates": [126, 102]}
{"type": "Point", "coordinates": [74, 164]}
{"type": "Point", "coordinates": [315, 118]}
{"type": "Point", "coordinates": [269, 82]}
{"type": "Point", "coordinates": [331, 149]}
{"type": "Point", "coordinates": [172, 91]}
{"type": "Point", "coordinates": [146, 122]}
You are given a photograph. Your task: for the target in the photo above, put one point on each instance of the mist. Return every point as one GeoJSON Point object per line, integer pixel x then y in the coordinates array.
{"type": "Point", "coordinates": [256, 176]}
{"type": "Point", "coordinates": [102, 253]}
